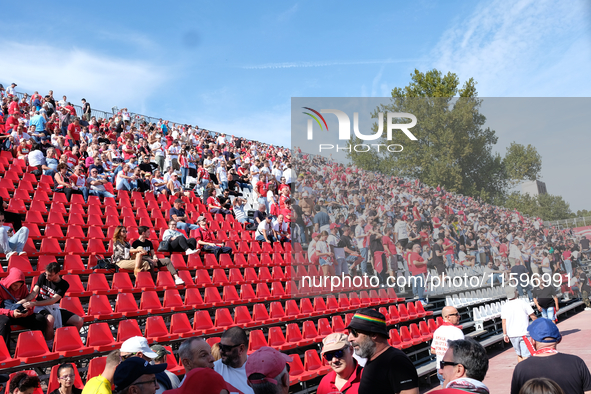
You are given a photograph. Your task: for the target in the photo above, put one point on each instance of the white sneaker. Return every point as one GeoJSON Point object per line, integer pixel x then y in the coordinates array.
{"type": "Point", "coordinates": [588, 309]}
{"type": "Point", "coordinates": [423, 302]}
{"type": "Point", "coordinates": [190, 251]}
{"type": "Point", "coordinates": [179, 281]}
{"type": "Point", "coordinates": [9, 255]}
{"type": "Point", "coordinates": [22, 254]}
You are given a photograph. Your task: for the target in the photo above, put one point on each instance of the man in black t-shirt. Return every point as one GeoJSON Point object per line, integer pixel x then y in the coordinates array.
{"type": "Point", "coordinates": [546, 301]}
{"type": "Point", "coordinates": [585, 247]}
{"type": "Point", "coordinates": [351, 255]}
{"type": "Point", "coordinates": [177, 213]}
{"type": "Point", "coordinates": [260, 214]}
{"type": "Point", "coordinates": [388, 370]}
{"type": "Point", "coordinates": [568, 371]}
{"type": "Point", "coordinates": [47, 293]}
{"type": "Point", "coordinates": [155, 263]}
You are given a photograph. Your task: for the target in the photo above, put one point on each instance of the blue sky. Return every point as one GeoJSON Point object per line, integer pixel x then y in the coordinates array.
{"type": "Point", "coordinates": [234, 66]}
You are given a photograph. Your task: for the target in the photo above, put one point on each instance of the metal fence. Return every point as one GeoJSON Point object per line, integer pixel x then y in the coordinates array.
{"type": "Point", "coordinates": [569, 223]}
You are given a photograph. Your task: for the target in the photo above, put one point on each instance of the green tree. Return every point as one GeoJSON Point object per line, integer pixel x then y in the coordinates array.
{"type": "Point", "coordinates": [452, 148]}
{"type": "Point", "coordinates": [545, 206]}
{"type": "Point", "coordinates": [522, 163]}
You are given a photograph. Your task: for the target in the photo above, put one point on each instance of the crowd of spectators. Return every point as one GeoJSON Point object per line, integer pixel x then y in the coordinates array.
{"type": "Point", "coordinates": [358, 222]}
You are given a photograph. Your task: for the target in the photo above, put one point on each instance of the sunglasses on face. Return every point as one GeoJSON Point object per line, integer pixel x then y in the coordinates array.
{"type": "Point", "coordinates": [335, 354]}
{"type": "Point", "coordinates": [444, 363]}
{"type": "Point", "coordinates": [356, 333]}
{"type": "Point", "coordinates": [227, 348]}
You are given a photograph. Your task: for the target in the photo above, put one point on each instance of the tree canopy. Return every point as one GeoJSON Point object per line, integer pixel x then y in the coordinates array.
{"type": "Point", "coordinates": [453, 148]}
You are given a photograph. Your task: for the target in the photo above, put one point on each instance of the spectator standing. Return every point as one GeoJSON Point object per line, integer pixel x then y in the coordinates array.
{"type": "Point", "coordinates": [86, 110]}
{"type": "Point", "coordinates": [267, 371]}
{"type": "Point", "coordinates": [232, 365]}
{"type": "Point", "coordinates": [515, 315]}
{"type": "Point", "coordinates": [345, 375]}
{"type": "Point", "coordinates": [546, 301]}
{"type": "Point", "coordinates": [388, 370]}
{"type": "Point", "coordinates": [418, 270]}
{"type": "Point", "coordinates": [464, 366]}
{"type": "Point", "coordinates": [161, 359]}
{"type": "Point", "coordinates": [136, 376]}
{"type": "Point", "coordinates": [568, 371]}
{"type": "Point", "coordinates": [449, 330]}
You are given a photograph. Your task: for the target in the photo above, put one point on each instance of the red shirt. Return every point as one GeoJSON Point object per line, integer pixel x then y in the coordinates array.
{"type": "Point", "coordinates": [202, 173]}
{"type": "Point", "coordinates": [282, 186]}
{"type": "Point", "coordinates": [13, 108]}
{"type": "Point", "coordinates": [204, 235]}
{"type": "Point", "coordinates": [327, 384]}
{"type": "Point", "coordinates": [75, 131]}
{"type": "Point", "coordinates": [213, 201]}
{"type": "Point", "coordinates": [72, 159]}
{"type": "Point", "coordinates": [262, 188]}
{"type": "Point", "coordinates": [414, 270]}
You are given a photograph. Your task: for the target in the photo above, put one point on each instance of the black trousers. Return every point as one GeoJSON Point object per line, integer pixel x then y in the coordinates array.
{"type": "Point", "coordinates": [34, 322]}
{"type": "Point", "coordinates": [180, 244]}
{"type": "Point", "coordinates": [14, 218]}
{"type": "Point", "coordinates": [217, 250]}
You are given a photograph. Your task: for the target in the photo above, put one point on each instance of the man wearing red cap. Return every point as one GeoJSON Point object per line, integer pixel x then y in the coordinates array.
{"type": "Point", "coordinates": [267, 371]}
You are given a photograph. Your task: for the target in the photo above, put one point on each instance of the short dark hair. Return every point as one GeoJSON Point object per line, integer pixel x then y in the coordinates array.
{"type": "Point", "coordinates": [142, 229]}
{"type": "Point", "coordinates": [23, 382]}
{"type": "Point", "coordinates": [237, 335]}
{"type": "Point", "coordinates": [472, 355]}
{"type": "Point", "coordinates": [62, 367]}
{"type": "Point", "coordinates": [52, 268]}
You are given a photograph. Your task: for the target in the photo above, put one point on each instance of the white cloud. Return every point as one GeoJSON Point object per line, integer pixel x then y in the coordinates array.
{"type": "Point", "coordinates": [506, 45]}
{"type": "Point", "coordinates": [325, 63]}
{"type": "Point", "coordinates": [104, 81]}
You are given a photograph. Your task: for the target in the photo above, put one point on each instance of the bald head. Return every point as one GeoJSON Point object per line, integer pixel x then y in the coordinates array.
{"type": "Point", "coordinates": [451, 315]}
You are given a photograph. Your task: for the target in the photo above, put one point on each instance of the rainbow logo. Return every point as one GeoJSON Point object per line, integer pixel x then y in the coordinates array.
{"type": "Point", "coordinates": [315, 118]}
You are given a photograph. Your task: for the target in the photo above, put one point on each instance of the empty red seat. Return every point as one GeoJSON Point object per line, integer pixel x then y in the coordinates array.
{"type": "Point", "coordinates": [180, 325]}
{"type": "Point", "coordinates": [406, 338]}
{"type": "Point", "coordinates": [202, 323]}
{"type": "Point", "coordinates": [101, 309]}
{"type": "Point", "coordinates": [337, 324]}
{"type": "Point", "coordinates": [242, 317]}
{"type": "Point", "coordinates": [73, 265]}
{"type": "Point", "coordinates": [34, 216]}
{"type": "Point", "coordinates": [98, 284]}
{"type": "Point", "coordinates": [223, 319]}
{"type": "Point", "coordinates": [32, 348]}
{"type": "Point", "coordinates": [50, 246]}
{"type": "Point", "coordinates": [412, 311]}
{"type": "Point", "coordinates": [67, 343]}
{"type": "Point", "coordinates": [415, 334]}
{"type": "Point", "coordinates": [156, 330]}
{"type": "Point", "coordinates": [256, 341]}
{"type": "Point", "coordinates": [150, 302]}
{"type": "Point", "coordinates": [296, 370]}
{"type": "Point", "coordinates": [394, 339]}
{"type": "Point", "coordinates": [403, 313]}
{"type": "Point", "coordinates": [309, 331]}
{"type": "Point", "coordinates": [424, 331]}
{"type": "Point", "coordinates": [74, 246]}
{"type": "Point", "coordinates": [127, 329]}
{"type": "Point", "coordinates": [5, 360]}
{"type": "Point", "coordinates": [393, 315]}
{"type": "Point", "coordinates": [173, 300]}
{"type": "Point", "coordinates": [76, 288]}
{"type": "Point", "coordinates": [294, 336]}
{"type": "Point", "coordinates": [126, 305]}
{"type": "Point", "coordinates": [122, 283]}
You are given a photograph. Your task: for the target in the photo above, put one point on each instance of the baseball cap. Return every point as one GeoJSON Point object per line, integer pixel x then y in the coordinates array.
{"type": "Point", "coordinates": [314, 235]}
{"type": "Point", "coordinates": [138, 344]}
{"type": "Point", "coordinates": [160, 351]}
{"type": "Point", "coordinates": [131, 369]}
{"type": "Point", "coordinates": [334, 341]}
{"type": "Point", "coordinates": [200, 218]}
{"type": "Point", "coordinates": [268, 362]}
{"type": "Point", "coordinates": [542, 328]}
{"type": "Point", "coordinates": [334, 225]}
{"type": "Point", "coordinates": [201, 380]}
{"type": "Point", "coordinates": [369, 320]}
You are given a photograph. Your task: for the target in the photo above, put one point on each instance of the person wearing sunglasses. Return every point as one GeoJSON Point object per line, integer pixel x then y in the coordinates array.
{"type": "Point", "coordinates": [234, 348]}
{"type": "Point", "coordinates": [137, 376]}
{"type": "Point", "coordinates": [346, 372]}
{"type": "Point", "coordinates": [449, 330]}
{"type": "Point", "coordinates": [387, 370]}
{"type": "Point", "coordinates": [464, 366]}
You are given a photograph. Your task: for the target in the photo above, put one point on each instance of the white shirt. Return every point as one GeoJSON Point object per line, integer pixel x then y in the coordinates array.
{"type": "Point", "coordinates": [36, 158]}
{"type": "Point", "coordinates": [277, 173]}
{"type": "Point", "coordinates": [516, 313]}
{"type": "Point", "coordinates": [514, 252]}
{"type": "Point", "coordinates": [222, 174]}
{"type": "Point", "coordinates": [441, 336]}
{"type": "Point", "coordinates": [235, 376]}
{"type": "Point", "coordinates": [400, 229]}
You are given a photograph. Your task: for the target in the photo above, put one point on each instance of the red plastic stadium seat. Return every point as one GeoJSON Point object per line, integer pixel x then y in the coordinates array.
{"type": "Point", "coordinates": [394, 339]}
{"type": "Point", "coordinates": [67, 343]}
{"type": "Point", "coordinates": [242, 317]}
{"type": "Point", "coordinates": [296, 369]}
{"type": "Point", "coordinates": [97, 284]}
{"type": "Point", "coordinates": [150, 302]}
{"type": "Point", "coordinates": [32, 348]}
{"type": "Point", "coordinates": [277, 340]}
{"type": "Point", "coordinates": [100, 338]}
{"type": "Point", "coordinates": [100, 308]}
{"type": "Point", "coordinates": [126, 305]}
{"type": "Point", "coordinates": [156, 330]}
{"type": "Point", "coordinates": [223, 319]}
{"type": "Point", "coordinates": [95, 367]}
{"type": "Point", "coordinates": [312, 362]}
{"type": "Point", "coordinates": [202, 323]}
{"type": "Point", "coordinates": [407, 340]}
{"type": "Point", "coordinates": [171, 363]}
{"type": "Point", "coordinates": [5, 360]}
{"type": "Point", "coordinates": [127, 329]}
{"type": "Point", "coordinates": [180, 325]}
{"type": "Point", "coordinates": [256, 341]}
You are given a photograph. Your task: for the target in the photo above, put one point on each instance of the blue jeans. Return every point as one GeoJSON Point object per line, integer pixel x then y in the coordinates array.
{"type": "Point", "coordinates": [363, 252]}
{"type": "Point", "coordinates": [477, 255]}
{"type": "Point", "coordinates": [549, 313]}
{"type": "Point", "coordinates": [186, 226]}
{"type": "Point", "coordinates": [418, 286]}
{"type": "Point", "coordinates": [224, 185]}
{"type": "Point", "coordinates": [569, 267]}
{"type": "Point", "coordinates": [342, 265]}
{"type": "Point", "coordinates": [245, 186]}
{"type": "Point", "coordinates": [450, 262]}
{"type": "Point", "coordinates": [84, 191]}
{"type": "Point", "coordinates": [16, 243]}
{"type": "Point", "coordinates": [100, 193]}
{"type": "Point", "coordinates": [263, 200]}
{"type": "Point", "coordinates": [246, 220]}
{"type": "Point", "coordinates": [261, 238]}
{"type": "Point", "coordinates": [520, 290]}
{"type": "Point", "coordinates": [184, 174]}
